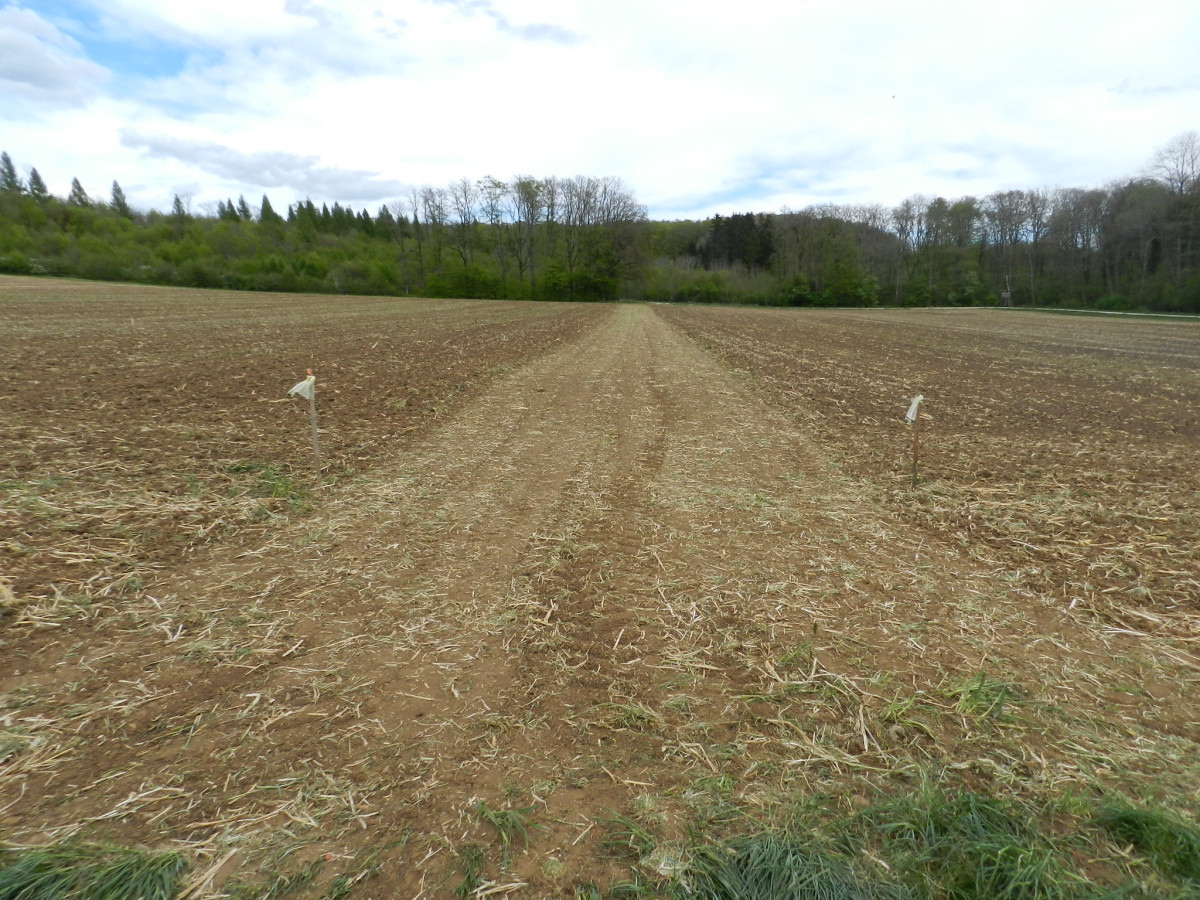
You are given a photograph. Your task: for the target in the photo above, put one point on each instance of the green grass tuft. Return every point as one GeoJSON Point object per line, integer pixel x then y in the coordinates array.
{"type": "Point", "coordinates": [624, 837]}
{"type": "Point", "coordinates": [86, 872]}
{"type": "Point", "coordinates": [510, 824]}
{"type": "Point", "coordinates": [984, 697]}
{"type": "Point", "coordinates": [270, 481]}
{"type": "Point", "coordinates": [775, 867]}
{"type": "Point", "coordinates": [471, 864]}
{"type": "Point", "coordinates": [1170, 844]}
{"type": "Point", "coordinates": [284, 885]}
{"type": "Point", "coordinates": [965, 845]}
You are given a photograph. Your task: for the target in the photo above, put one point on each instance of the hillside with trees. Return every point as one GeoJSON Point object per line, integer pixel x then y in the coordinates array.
{"type": "Point", "coordinates": [1133, 244]}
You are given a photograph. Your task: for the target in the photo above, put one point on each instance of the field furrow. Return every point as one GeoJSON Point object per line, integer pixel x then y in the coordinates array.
{"type": "Point", "coordinates": [648, 577]}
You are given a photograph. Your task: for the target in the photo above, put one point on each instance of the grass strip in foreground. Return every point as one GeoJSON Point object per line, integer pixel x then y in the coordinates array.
{"type": "Point", "coordinates": [88, 872]}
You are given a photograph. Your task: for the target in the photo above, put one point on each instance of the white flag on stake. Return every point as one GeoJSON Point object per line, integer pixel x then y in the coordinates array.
{"type": "Point", "coordinates": [305, 388]}
{"type": "Point", "coordinates": [912, 410]}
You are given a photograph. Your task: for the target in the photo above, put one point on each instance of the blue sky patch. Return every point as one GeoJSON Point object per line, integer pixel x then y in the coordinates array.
{"type": "Point", "coordinates": [125, 55]}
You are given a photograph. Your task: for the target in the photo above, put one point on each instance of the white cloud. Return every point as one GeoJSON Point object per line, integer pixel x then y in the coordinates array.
{"type": "Point", "coordinates": [39, 63]}
{"type": "Point", "coordinates": [265, 169]}
{"type": "Point", "coordinates": [699, 106]}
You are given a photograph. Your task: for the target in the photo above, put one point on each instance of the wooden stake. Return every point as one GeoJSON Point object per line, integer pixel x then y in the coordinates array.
{"type": "Point", "coordinates": [312, 409]}
{"type": "Point", "coordinates": [916, 445]}
{"type": "Point", "coordinates": [914, 419]}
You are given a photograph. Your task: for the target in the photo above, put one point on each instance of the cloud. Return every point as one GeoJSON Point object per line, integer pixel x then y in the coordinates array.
{"type": "Point", "coordinates": [308, 9]}
{"type": "Point", "coordinates": [39, 63]}
{"type": "Point", "coordinates": [699, 106]}
{"type": "Point", "coordinates": [535, 31]}
{"type": "Point", "coordinates": [303, 175]}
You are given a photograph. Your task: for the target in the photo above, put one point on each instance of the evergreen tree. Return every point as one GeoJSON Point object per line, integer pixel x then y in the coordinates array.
{"type": "Point", "coordinates": [179, 215]}
{"type": "Point", "coordinates": [267, 214]}
{"type": "Point", "coordinates": [37, 187]}
{"type": "Point", "coordinates": [10, 182]}
{"type": "Point", "coordinates": [119, 204]}
{"type": "Point", "coordinates": [337, 219]}
{"type": "Point", "coordinates": [78, 196]}
{"type": "Point", "coordinates": [243, 209]}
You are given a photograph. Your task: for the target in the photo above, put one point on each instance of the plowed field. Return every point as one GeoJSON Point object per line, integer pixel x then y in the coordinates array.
{"type": "Point", "coordinates": [578, 588]}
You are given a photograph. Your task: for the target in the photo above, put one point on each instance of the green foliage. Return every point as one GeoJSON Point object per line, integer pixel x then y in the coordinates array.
{"type": "Point", "coordinates": [37, 187]}
{"type": "Point", "coordinates": [78, 196]}
{"type": "Point", "coordinates": [984, 697]}
{"type": "Point", "coordinates": [1170, 844]}
{"type": "Point", "coordinates": [15, 263]}
{"type": "Point", "coordinates": [281, 885]}
{"type": "Point", "coordinates": [119, 204]}
{"type": "Point", "coordinates": [88, 872]}
{"type": "Point", "coordinates": [970, 846]}
{"type": "Point", "coordinates": [936, 843]}
{"type": "Point", "coordinates": [471, 863]}
{"type": "Point", "coordinates": [10, 182]}
{"type": "Point", "coordinates": [1131, 246]}
{"type": "Point", "coordinates": [625, 837]}
{"type": "Point", "coordinates": [269, 481]}
{"type": "Point", "coordinates": [510, 825]}
{"type": "Point", "coordinates": [776, 867]}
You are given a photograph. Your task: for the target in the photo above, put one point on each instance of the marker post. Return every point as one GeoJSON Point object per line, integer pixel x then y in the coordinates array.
{"type": "Point", "coordinates": [913, 418]}
{"type": "Point", "coordinates": [308, 389]}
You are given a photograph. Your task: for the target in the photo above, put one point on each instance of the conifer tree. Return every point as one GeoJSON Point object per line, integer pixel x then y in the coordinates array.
{"type": "Point", "coordinates": [78, 196]}
{"type": "Point", "coordinates": [267, 214]}
{"type": "Point", "coordinates": [243, 209]}
{"type": "Point", "coordinates": [37, 187]}
{"type": "Point", "coordinates": [119, 204]}
{"type": "Point", "coordinates": [10, 182]}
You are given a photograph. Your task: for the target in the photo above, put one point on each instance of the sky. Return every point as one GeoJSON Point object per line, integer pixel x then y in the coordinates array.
{"type": "Point", "coordinates": [700, 107]}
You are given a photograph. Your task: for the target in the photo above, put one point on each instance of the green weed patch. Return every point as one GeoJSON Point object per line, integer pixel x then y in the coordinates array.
{"type": "Point", "coordinates": [85, 872]}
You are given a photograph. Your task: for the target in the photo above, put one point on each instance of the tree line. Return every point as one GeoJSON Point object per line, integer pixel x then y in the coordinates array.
{"type": "Point", "coordinates": [579, 238]}
{"type": "Point", "coordinates": [1133, 244]}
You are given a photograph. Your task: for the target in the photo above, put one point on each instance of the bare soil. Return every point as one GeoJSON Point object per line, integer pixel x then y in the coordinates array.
{"type": "Point", "coordinates": [584, 566]}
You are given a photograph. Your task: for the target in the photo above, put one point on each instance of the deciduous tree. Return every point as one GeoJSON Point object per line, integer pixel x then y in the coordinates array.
{"type": "Point", "coordinates": [1177, 163]}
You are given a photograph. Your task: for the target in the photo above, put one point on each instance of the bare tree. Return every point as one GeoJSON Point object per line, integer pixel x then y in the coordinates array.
{"type": "Point", "coordinates": [1177, 163]}
{"type": "Point", "coordinates": [492, 194]}
{"type": "Point", "coordinates": [464, 197]}
{"type": "Point", "coordinates": [434, 216]}
{"type": "Point", "coordinates": [526, 206]}
{"type": "Point", "coordinates": [1037, 223]}
{"type": "Point", "coordinates": [1005, 214]}
{"type": "Point", "coordinates": [550, 215]}
{"type": "Point", "coordinates": [420, 231]}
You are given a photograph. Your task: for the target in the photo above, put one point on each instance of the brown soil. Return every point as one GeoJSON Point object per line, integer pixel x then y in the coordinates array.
{"type": "Point", "coordinates": [610, 576]}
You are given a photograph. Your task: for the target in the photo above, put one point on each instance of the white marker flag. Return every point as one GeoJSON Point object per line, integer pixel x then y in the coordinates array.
{"type": "Point", "coordinates": [912, 410]}
{"type": "Point", "coordinates": [305, 388]}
